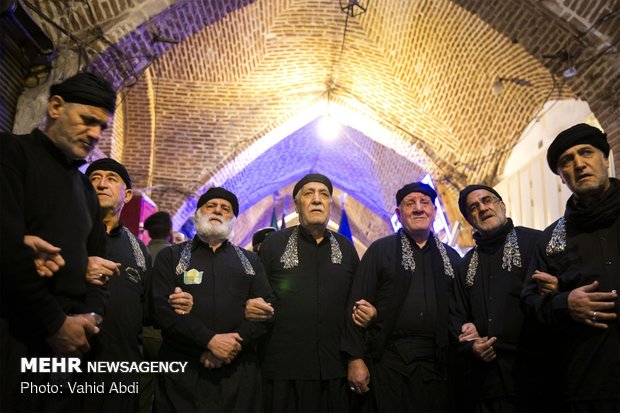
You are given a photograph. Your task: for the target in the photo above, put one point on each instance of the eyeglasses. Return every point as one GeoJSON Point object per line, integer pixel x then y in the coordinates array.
{"type": "Point", "coordinates": [485, 200]}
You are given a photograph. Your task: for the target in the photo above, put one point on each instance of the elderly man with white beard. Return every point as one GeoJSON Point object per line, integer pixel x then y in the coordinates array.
{"type": "Point", "coordinates": [215, 339]}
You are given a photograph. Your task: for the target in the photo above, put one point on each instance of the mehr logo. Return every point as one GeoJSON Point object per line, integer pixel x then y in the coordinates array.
{"type": "Point", "coordinates": [50, 365]}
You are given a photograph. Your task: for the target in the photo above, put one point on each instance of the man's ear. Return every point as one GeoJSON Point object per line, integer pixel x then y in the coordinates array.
{"type": "Point", "coordinates": [55, 107]}
{"type": "Point", "coordinates": [128, 195]}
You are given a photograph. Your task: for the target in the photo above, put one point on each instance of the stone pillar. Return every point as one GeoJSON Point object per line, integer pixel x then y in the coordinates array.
{"type": "Point", "coordinates": [32, 104]}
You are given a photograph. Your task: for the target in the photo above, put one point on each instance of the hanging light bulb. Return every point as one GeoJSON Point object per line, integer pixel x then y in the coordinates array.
{"type": "Point", "coordinates": [497, 87]}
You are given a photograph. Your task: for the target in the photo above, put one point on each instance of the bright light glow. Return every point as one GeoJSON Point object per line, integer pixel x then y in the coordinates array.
{"type": "Point", "coordinates": [329, 128]}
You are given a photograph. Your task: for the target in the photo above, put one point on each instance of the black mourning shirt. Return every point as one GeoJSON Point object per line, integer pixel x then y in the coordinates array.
{"type": "Point", "coordinates": [382, 280]}
{"type": "Point", "coordinates": [419, 312]}
{"type": "Point", "coordinates": [121, 329]}
{"type": "Point", "coordinates": [43, 194]}
{"type": "Point", "coordinates": [220, 286]}
{"type": "Point", "coordinates": [304, 342]}
{"type": "Point", "coordinates": [592, 356]}
{"type": "Point", "coordinates": [491, 303]}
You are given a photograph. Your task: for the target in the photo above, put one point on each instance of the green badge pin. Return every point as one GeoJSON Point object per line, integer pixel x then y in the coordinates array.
{"type": "Point", "coordinates": [192, 276]}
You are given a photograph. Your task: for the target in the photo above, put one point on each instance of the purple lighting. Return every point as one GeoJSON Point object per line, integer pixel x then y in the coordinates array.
{"type": "Point", "coordinates": [357, 172]}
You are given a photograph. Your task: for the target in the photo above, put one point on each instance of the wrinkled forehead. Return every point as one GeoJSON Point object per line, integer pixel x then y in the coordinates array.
{"type": "Point", "coordinates": [412, 196]}
{"type": "Point", "coordinates": [94, 111]}
{"type": "Point", "coordinates": [104, 173]}
{"type": "Point", "coordinates": [474, 196]}
{"type": "Point", "coordinates": [315, 187]}
{"type": "Point", "coordinates": [218, 201]}
{"type": "Point", "coordinates": [577, 148]}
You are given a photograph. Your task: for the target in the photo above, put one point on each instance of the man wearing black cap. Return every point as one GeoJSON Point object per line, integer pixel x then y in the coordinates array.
{"type": "Point", "coordinates": [120, 336]}
{"type": "Point", "coordinates": [486, 317]}
{"type": "Point", "coordinates": [259, 236]}
{"type": "Point", "coordinates": [217, 342]}
{"type": "Point", "coordinates": [582, 249]}
{"type": "Point", "coordinates": [310, 269]}
{"type": "Point", "coordinates": [44, 195]}
{"type": "Point", "coordinates": [408, 277]}
{"type": "Point", "coordinates": [159, 227]}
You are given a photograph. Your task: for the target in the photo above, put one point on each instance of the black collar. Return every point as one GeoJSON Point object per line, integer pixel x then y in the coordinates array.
{"type": "Point", "coordinates": [55, 152]}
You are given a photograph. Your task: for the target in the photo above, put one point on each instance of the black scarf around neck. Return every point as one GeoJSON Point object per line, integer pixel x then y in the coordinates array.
{"type": "Point", "coordinates": [599, 215]}
{"type": "Point", "coordinates": [495, 240]}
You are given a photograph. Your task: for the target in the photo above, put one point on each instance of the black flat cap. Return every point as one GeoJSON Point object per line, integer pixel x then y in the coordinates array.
{"type": "Point", "coordinates": [575, 135]}
{"type": "Point", "coordinates": [313, 178]}
{"type": "Point", "coordinates": [109, 164]}
{"type": "Point", "coordinates": [469, 189]}
{"type": "Point", "coordinates": [415, 187]}
{"type": "Point", "coordinates": [260, 235]}
{"type": "Point", "coordinates": [86, 89]}
{"type": "Point", "coordinates": [221, 193]}
{"type": "Point", "coordinates": [160, 221]}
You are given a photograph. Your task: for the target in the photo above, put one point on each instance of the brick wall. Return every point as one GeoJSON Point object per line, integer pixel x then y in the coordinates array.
{"type": "Point", "coordinates": [421, 71]}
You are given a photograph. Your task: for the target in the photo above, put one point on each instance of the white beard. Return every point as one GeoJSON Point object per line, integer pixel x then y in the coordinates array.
{"type": "Point", "coordinates": [212, 231]}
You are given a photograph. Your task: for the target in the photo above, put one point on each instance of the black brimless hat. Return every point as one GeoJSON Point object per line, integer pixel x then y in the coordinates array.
{"type": "Point", "coordinates": [109, 164]}
{"type": "Point", "coordinates": [86, 89]}
{"type": "Point", "coordinates": [469, 189]}
{"type": "Point", "coordinates": [260, 235]}
{"type": "Point", "coordinates": [575, 135]}
{"type": "Point", "coordinates": [415, 187]}
{"type": "Point", "coordinates": [220, 193]}
{"type": "Point", "coordinates": [313, 178]}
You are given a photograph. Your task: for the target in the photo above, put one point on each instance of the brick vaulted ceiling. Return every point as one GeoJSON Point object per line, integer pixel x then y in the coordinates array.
{"type": "Point", "coordinates": [237, 100]}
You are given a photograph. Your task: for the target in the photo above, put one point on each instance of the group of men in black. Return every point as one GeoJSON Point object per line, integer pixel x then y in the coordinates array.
{"type": "Point", "coordinates": [526, 321]}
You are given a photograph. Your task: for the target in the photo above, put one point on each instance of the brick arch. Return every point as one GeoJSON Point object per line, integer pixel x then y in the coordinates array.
{"type": "Point", "coordinates": [354, 163]}
{"type": "Point", "coordinates": [421, 70]}
{"type": "Point", "coordinates": [584, 29]}
{"type": "Point", "coordinates": [428, 111]}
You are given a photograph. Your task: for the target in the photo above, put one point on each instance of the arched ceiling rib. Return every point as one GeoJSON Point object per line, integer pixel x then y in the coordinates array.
{"type": "Point", "coordinates": [421, 70]}
{"type": "Point", "coordinates": [409, 66]}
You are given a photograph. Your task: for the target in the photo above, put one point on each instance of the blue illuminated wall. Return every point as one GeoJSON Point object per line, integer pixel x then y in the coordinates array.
{"type": "Point", "coordinates": [354, 163]}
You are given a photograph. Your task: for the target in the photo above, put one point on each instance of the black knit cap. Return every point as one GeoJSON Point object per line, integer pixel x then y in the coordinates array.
{"type": "Point", "coordinates": [313, 178]}
{"type": "Point", "coordinates": [469, 189]}
{"type": "Point", "coordinates": [260, 235]}
{"type": "Point", "coordinates": [220, 193]}
{"type": "Point", "coordinates": [109, 164]}
{"type": "Point", "coordinates": [86, 89]}
{"type": "Point", "coordinates": [415, 187]}
{"type": "Point", "coordinates": [158, 223]}
{"type": "Point", "coordinates": [575, 135]}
